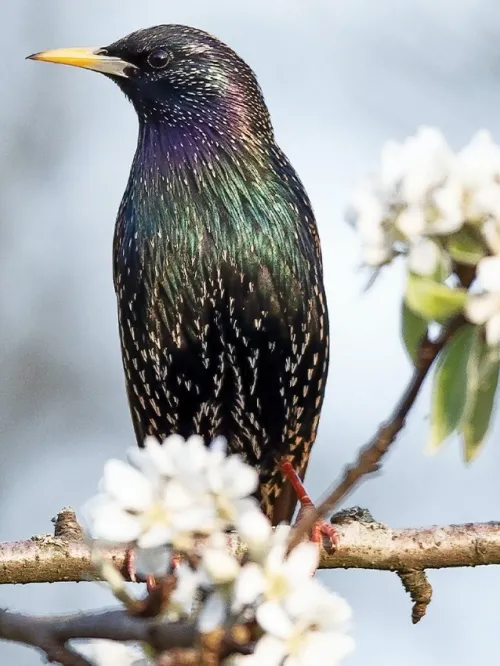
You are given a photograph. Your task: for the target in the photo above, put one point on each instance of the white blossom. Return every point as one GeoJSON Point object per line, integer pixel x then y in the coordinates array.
{"type": "Point", "coordinates": [137, 506]}
{"type": "Point", "coordinates": [423, 189]}
{"type": "Point", "coordinates": [484, 308]}
{"type": "Point", "coordinates": [272, 580]}
{"type": "Point", "coordinates": [112, 653]}
{"type": "Point", "coordinates": [310, 630]}
{"type": "Point", "coordinates": [171, 494]}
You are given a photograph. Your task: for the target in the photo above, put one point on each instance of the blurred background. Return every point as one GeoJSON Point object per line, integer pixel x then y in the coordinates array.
{"type": "Point", "coordinates": [341, 77]}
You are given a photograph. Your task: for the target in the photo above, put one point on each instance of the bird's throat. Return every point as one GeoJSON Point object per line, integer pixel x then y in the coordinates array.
{"type": "Point", "coordinates": [184, 179]}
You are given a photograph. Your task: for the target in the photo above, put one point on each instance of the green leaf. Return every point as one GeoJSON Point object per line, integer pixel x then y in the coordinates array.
{"type": "Point", "coordinates": [432, 300]}
{"type": "Point", "coordinates": [481, 401]}
{"type": "Point", "coordinates": [466, 248]}
{"type": "Point", "coordinates": [451, 388]}
{"type": "Point", "coordinates": [413, 330]}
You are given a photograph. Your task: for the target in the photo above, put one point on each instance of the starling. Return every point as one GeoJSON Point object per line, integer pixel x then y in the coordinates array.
{"type": "Point", "coordinates": [216, 260]}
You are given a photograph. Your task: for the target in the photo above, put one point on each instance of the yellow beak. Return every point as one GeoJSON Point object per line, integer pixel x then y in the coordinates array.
{"type": "Point", "coordinates": [87, 58]}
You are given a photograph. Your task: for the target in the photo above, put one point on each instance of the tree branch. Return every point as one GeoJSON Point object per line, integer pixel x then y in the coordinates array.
{"type": "Point", "coordinates": [51, 634]}
{"type": "Point", "coordinates": [363, 544]}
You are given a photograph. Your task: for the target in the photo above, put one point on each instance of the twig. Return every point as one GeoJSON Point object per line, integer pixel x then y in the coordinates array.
{"type": "Point", "coordinates": [371, 454]}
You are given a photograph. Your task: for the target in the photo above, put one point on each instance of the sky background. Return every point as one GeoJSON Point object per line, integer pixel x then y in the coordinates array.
{"type": "Point", "coordinates": [340, 77]}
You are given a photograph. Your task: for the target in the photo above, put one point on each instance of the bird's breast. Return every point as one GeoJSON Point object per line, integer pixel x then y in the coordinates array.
{"type": "Point", "coordinates": [223, 320]}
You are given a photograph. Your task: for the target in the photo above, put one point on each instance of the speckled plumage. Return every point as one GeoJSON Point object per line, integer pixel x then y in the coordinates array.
{"type": "Point", "coordinates": [217, 263]}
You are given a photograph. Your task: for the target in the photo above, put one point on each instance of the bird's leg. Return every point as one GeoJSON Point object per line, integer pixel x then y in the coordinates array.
{"type": "Point", "coordinates": [132, 573]}
{"type": "Point", "coordinates": [321, 527]}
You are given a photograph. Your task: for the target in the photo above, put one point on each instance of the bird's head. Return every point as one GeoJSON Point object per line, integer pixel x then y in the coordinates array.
{"type": "Point", "coordinates": [180, 77]}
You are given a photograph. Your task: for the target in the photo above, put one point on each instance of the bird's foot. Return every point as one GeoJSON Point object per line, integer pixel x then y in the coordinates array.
{"type": "Point", "coordinates": [130, 568]}
{"type": "Point", "coordinates": [321, 528]}
{"type": "Point", "coordinates": [322, 532]}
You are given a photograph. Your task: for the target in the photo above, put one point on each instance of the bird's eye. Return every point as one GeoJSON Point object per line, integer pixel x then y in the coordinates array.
{"type": "Point", "coordinates": [159, 59]}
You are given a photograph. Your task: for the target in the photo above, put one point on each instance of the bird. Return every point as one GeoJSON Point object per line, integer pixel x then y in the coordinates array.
{"type": "Point", "coordinates": [217, 261]}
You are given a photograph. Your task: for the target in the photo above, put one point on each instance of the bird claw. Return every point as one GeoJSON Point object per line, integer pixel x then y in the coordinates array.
{"type": "Point", "coordinates": [321, 529]}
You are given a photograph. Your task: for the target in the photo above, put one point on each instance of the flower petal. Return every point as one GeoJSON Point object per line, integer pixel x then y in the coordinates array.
{"type": "Point", "coordinates": [269, 651]}
{"type": "Point", "coordinates": [369, 212]}
{"type": "Point", "coordinates": [424, 257]}
{"type": "Point", "coordinates": [255, 530]}
{"type": "Point", "coordinates": [159, 456]}
{"type": "Point", "coordinates": [478, 162]}
{"type": "Point", "coordinates": [220, 565]}
{"type": "Point", "coordinates": [240, 479]}
{"type": "Point", "coordinates": [448, 200]}
{"type": "Point", "coordinates": [102, 652]}
{"type": "Point", "coordinates": [325, 648]}
{"type": "Point", "coordinates": [197, 451]}
{"type": "Point", "coordinates": [156, 536]}
{"type": "Point", "coordinates": [488, 273]}
{"type": "Point", "coordinates": [275, 559]}
{"type": "Point", "coordinates": [302, 562]}
{"type": "Point", "coordinates": [127, 485]}
{"type": "Point", "coordinates": [493, 330]}
{"type": "Point", "coordinates": [427, 160]}
{"type": "Point", "coordinates": [110, 523]}
{"type": "Point", "coordinates": [188, 582]}
{"type": "Point", "coordinates": [411, 221]}
{"type": "Point", "coordinates": [377, 255]}
{"type": "Point", "coordinates": [491, 234]}
{"type": "Point", "coordinates": [213, 614]}
{"type": "Point", "coordinates": [273, 619]}
{"type": "Point", "coordinates": [198, 518]}
{"type": "Point", "coordinates": [218, 446]}
{"type": "Point", "coordinates": [249, 585]}
{"type": "Point", "coordinates": [314, 604]}
{"type": "Point", "coordinates": [480, 308]}
{"type": "Point", "coordinates": [176, 496]}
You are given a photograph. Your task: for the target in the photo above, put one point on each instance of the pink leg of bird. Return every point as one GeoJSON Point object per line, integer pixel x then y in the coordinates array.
{"type": "Point", "coordinates": [320, 528]}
